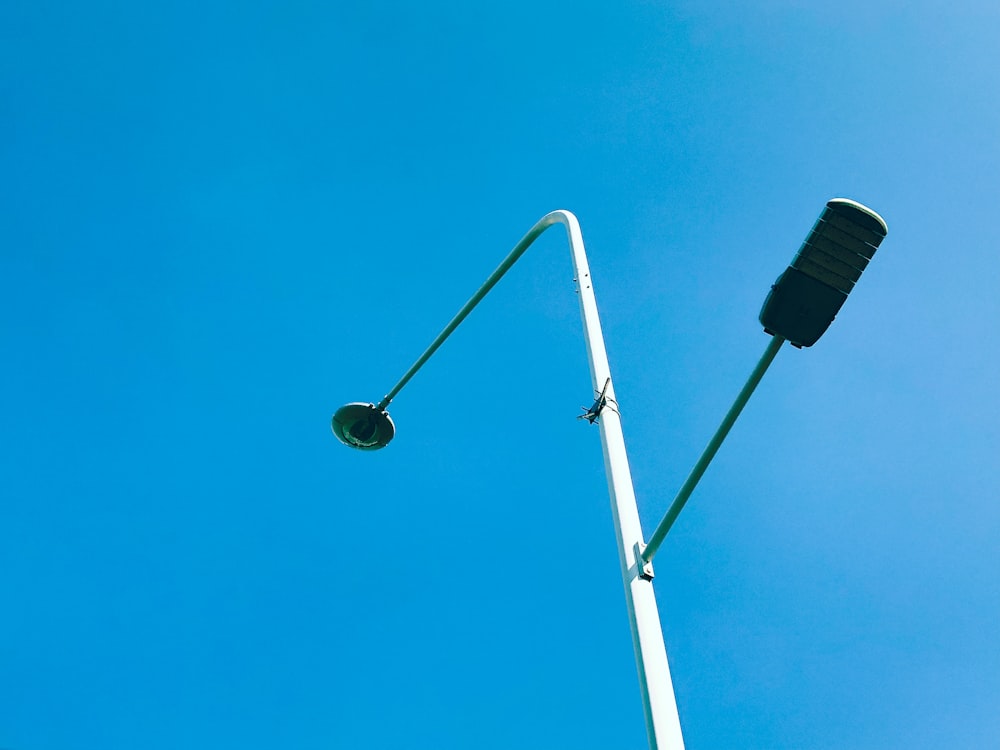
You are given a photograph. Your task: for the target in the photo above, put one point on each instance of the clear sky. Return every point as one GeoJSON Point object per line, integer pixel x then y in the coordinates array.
{"type": "Point", "coordinates": [219, 221]}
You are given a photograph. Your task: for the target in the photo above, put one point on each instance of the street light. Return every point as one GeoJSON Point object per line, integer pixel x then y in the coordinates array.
{"type": "Point", "coordinates": [808, 295]}
{"type": "Point", "coordinates": [363, 426]}
{"type": "Point", "coordinates": [799, 308]}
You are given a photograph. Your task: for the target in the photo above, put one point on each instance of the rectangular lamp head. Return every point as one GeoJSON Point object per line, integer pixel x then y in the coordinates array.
{"type": "Point", "coordinates": [806, 298]}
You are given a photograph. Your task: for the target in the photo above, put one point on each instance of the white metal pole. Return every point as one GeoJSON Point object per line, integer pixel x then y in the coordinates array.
{"type": "Point", "coordinates": [659, 704]}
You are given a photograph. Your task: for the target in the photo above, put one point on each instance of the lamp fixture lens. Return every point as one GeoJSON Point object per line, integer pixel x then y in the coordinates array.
{"type": "Point", "coordinates": [362, 426]}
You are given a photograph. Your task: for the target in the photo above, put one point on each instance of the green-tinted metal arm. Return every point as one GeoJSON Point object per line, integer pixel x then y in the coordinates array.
{"type": "Point", "coordinates": [711, 449]}
{"type": "Point", "coordinates": [491, 282]}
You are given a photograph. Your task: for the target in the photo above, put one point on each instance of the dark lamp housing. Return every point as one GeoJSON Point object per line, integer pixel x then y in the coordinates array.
{"type": "Point", "coordinates": [806, 298]}
{"type": "Point", "coordinates": [362, 426]}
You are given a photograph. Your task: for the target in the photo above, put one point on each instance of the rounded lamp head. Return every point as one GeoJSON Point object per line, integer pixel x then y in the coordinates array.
{"type": "Point", "coordinates": [363, 426]}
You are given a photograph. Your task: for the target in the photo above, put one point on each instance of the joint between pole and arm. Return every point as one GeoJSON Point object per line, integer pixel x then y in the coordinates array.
{"type": "Point", "coordinates": [660, 533]}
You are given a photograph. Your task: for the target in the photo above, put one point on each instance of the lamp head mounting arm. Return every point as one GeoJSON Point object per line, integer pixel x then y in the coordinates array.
{"type": "Point", "coordinates": [368, 426]}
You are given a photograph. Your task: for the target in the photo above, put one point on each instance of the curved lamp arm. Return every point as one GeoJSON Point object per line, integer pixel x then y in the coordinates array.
{"type": "Point", "coordinates": [555, 217]}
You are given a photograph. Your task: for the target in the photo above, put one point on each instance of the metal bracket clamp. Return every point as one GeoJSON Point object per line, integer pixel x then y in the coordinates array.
{"type": "Point", "coordinates": [593, 414]}
{"type": "Point", "coordinates": [644, 567]}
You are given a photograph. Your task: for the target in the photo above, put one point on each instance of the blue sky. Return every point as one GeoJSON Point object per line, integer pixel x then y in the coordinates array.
{"type": "Point", "coordinates": [220, 221]}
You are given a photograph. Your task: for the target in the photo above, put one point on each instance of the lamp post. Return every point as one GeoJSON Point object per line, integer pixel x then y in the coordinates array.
{"type": "Point", "coordinates": [800, 306]}
{"type": "Point", "coordinates": [369, 427]}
